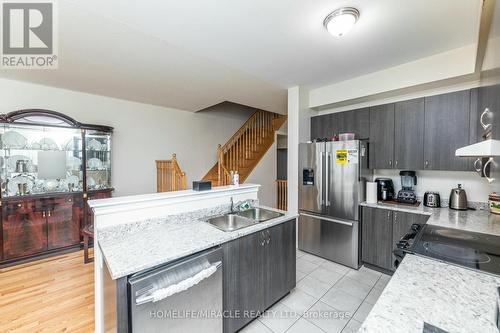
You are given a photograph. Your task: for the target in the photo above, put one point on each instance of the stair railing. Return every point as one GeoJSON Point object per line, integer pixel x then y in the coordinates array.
{"type": "Point", "coordinates": [282, 194]}
{"type": "Point", "coordinates": [244, 143]}
{"type": "Point", "coordinates": [169, 176]}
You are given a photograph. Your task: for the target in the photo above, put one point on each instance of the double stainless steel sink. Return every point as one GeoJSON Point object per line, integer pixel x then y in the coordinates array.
{"type": "Point", "coordinates": [242, 219]}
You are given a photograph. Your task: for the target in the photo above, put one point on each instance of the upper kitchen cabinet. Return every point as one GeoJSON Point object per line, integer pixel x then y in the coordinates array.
{"type": "Point", "coordinates": [355, 121]}
{"type": "Point", "coordinates": [324, 126]}
{"type": "Point", "coordinates": [328, 125]}
{"type": "Point", "coordinates": [484, 98]}
{"type": "Point", "coordinates": [409, 134]}
{"type": "Point", "coordinates": [446, 130]}
{"type": "Point", "coordinates": [381, 150]}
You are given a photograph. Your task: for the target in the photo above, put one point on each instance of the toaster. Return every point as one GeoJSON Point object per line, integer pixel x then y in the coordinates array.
{"type": "Point", "coordinates": [432, 199]}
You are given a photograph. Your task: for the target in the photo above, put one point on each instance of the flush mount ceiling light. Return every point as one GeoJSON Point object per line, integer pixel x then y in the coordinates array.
{"type": "Point", "coordinates": [341, 21]}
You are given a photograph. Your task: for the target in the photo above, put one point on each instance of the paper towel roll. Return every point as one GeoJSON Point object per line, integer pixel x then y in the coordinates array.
{"type": "Point", "coordinates": [371, 192]}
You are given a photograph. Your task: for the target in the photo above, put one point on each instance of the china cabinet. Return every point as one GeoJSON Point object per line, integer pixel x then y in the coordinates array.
{"type": "Point", "coordinates": [50, 165]}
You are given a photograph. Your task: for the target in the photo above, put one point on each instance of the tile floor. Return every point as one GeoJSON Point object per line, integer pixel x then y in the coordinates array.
{"type": "Point", "coordinates": [328, 298]}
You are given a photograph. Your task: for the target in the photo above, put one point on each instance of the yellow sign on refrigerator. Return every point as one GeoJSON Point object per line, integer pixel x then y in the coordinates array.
{"type": "Point", "coordinates": [341, 156]}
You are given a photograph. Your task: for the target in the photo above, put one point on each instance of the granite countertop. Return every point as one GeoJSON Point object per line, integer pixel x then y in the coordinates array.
{"type": "Point", "coordinates": [449, 297]}
{"type": "Point", "coordinates": [133, 247]}
{"type": "Point", "coordinates": [479, 220]}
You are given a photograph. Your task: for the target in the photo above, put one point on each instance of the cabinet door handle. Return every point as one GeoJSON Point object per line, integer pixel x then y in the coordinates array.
{"type": "Point", "coordinates": [396, 162]}
{"type": "Point", "coordinates": [262, 236]}
{"type": "Point", "coordinates": [48, 213]}
{"type": "Point", "coordinates": [390, 162]}
{"type": "Point", "coordinates": [395, 217]}
{"type": "Point", "coordinates": [43, 214]}
{"type": "Point", "coordinates": [388, 214]}
{"type": "Point", "coordinates": [426, 163]}
{"type": "Point", "coordinates": [19, 205]}
{"type": "Point", "coordinates": [268, 236]}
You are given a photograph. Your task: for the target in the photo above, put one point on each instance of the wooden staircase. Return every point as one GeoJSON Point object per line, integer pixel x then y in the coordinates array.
{"type": "Point", "coordinates": [169, 176]}
{"type": "Point", "coordinates": [245, 148]}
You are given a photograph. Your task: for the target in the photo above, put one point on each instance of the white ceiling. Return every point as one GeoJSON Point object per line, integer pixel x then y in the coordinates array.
{"type": "Point", "coordinates": [191, 54]}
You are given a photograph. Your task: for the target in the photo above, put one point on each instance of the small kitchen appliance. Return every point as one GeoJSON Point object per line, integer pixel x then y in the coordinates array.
{"type": "Point", "coordinates": [458, 198]}
{"type": "Point", "coordinates": [385, 189]}
{"type": "Point", "coordinates": [407, 193]}
{"type": "Point", "coordinates": [432, 199]}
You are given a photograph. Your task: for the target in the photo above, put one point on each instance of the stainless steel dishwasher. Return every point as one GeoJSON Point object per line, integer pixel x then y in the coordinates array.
{"type": "Point", "coordinates": [184, 296]}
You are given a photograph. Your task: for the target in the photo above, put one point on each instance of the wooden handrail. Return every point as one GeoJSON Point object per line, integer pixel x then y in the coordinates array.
{"type": "Point", "coordinates": [245, 147]}
{"type": "Point", "coordinates": [282, 194]}
{"type": "Point", "coordinates": [169, 176]}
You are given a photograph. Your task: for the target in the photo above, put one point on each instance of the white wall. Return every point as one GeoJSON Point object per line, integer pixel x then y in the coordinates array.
{"type": "Point", "coordinates": [298, 131]}
{"type": "Point", "coordinates": [477, 188]}
{"type": "Point", "coordinates": [446, 65]}
{"type": "Point", "coordinates": [144, 133]}
{"type": "Point", "coordinates": [265, 173]}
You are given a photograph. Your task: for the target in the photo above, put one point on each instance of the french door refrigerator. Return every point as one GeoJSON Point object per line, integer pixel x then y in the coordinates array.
{"type": "Point", "coordinates": [332, 178]}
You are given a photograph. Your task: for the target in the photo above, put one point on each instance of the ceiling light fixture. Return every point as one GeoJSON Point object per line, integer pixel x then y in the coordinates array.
{"type": "Point", "coordinates": [340, 22]}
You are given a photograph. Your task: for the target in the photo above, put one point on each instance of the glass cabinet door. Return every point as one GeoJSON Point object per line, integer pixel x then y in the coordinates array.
{"type": "Point", "coordinates": [98, 159]}
{"type": "Point", "coordinates": [40, 159]}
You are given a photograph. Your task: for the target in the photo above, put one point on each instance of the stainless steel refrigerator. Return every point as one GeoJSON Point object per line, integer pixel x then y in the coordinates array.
{"type": "Point", "coordinates": [332, 179]}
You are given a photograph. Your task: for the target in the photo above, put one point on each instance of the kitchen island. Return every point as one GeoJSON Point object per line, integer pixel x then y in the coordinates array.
{"type": "Point", "coordinates": [449, 297]}
{"type": "Point", "coordinates": [256, 262]}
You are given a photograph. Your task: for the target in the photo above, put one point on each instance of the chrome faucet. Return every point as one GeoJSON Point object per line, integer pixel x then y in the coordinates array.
{"type": "Point", "coordinates": [232, 206]}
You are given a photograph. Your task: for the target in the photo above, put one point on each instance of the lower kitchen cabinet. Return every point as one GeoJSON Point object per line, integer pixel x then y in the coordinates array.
{"type": "Point", "coordinates": [381, 230]}
{"type": "Point", "coordinates": [259, 269]}
{"type": "Point", "coordinates": [376, 237]}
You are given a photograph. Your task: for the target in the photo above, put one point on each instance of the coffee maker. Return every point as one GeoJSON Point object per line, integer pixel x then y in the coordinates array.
{"type": "Point", "coordinates": [407, 193]}
{"type": "Point", "coordinates": [385, 189]}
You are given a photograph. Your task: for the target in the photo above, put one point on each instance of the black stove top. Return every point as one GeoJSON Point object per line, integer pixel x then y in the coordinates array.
{"type": "Point", "coordinates": [465, 248]}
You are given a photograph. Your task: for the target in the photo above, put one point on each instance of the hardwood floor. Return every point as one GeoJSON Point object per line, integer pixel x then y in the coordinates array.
{"type": "Point", "coordinates": [50, 295]}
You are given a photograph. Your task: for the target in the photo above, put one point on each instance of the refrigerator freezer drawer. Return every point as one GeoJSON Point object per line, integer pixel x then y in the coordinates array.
{"type": "Point", "coordinates": [333, 239]}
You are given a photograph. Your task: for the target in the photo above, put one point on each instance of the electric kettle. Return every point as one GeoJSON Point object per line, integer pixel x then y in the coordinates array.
{"type": "Point", "coordinates": [458, 198]}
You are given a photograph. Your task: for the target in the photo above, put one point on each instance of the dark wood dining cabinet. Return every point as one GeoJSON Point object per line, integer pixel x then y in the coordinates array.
{"type": "Point", "coordinates": [42, 212]}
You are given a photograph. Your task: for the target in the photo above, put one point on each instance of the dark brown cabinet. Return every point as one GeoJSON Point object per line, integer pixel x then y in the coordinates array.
{"type": "Point", "coordinates": [409, 134]}
{"type": "Point", "coordinates": [381, 149]}
{"type": "Point", "coordinates": [45, 215]}
{"type": "Point", "coordinates": [64, 219]}
{"type": "Point", "coordinates": [418, 134]}
{"type": "Point", "coordinates": [354, 121]}
{"type": "Point", "coordinates": [376, 235]}
{"type": "Point", "coordinates": [446, 130]}
{"type": "Point", "coordinates": [24, 229]}
{"type": "Point", "coordinates": [259, 269]}
{"type": "Point", "coordinates": [381, 230]}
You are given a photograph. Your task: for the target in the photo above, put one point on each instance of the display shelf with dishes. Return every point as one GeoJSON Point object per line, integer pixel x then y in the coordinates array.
{"type": "Point", "coordinates": [50, 165]}
{"type": "Point", "coordinates": [40, 159]}
{"type": "Point", "coordinates": [98, 160]}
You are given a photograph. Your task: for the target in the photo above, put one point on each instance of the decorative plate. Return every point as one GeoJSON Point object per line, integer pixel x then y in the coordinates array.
{"type": "Point", "coordinates": [13, 139]}
{"type": "Point", "coordinates": [94, 145]}
{"type": "Point", "coordinates": [90, 182]}
{"type": "Point", "coordinates": [36, 146]}
{"type": "Point", "coordinates": [12, 185]}
{"type": "Point", "coordinates": [73, 163]}
{"type": "Point", "coordinates": [94, 164]}
{"type": "Point", "coordinates": [51, 184]}
{"type": "Point", "coordinates": [48, 144]}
